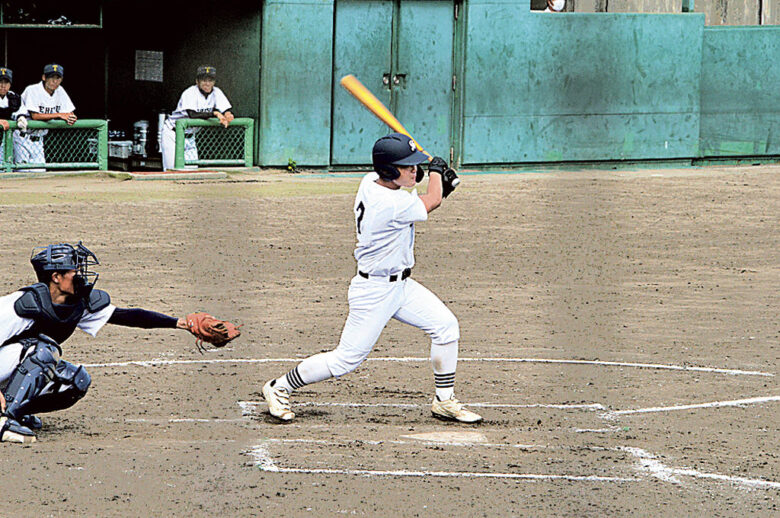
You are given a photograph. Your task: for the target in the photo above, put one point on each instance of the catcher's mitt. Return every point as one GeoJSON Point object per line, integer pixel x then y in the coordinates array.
{"type": "Point", "coordinates": [212, 330]}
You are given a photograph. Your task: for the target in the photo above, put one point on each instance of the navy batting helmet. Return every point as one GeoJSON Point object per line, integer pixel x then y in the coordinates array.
{"type": "Point", "coordinates": [393, 150]}
{"type": "Point", "coordinates": [63, 257]}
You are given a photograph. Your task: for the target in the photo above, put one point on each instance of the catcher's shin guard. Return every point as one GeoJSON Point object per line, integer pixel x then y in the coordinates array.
{"type": "Point", "coordinates": [69, 385]}
{"type": "Point", "coordinates": [31, 376]}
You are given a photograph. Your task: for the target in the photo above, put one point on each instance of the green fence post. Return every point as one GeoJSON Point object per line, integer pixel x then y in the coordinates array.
{"type": "Point", "coordinates": [178, 162]}
{"type": "Point", "coordinates": [8, 148]}
{"type": "Point", "coordinates": [103, 146]}
{"type": "Point", "coordinates": [248, 140]}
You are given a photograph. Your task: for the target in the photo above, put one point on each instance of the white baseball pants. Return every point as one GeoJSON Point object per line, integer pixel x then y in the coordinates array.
{"type": "Point", "coordinates": [372, 303]}
{"type": "Point", "coordinates": [168, 143]}
{"type": "Point", "coordinates": [28, 151]}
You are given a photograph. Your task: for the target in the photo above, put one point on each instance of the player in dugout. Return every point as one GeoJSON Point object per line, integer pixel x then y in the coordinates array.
{"type": "Point", "coordinates": [44, 101]}
{"type": "Point", "coordinates": [203, 100]}
{"type": "Point", "coordinates": [10, 102]}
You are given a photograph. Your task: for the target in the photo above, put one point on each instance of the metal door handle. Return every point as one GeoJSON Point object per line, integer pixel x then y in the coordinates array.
{"type": "Point", "coordinates": [386, 79]}
{"type": "Point", "coordinates": [398, 78]}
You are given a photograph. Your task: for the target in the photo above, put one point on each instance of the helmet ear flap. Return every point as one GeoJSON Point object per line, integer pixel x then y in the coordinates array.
{"type": "Point", "coordinates": [387, 171]}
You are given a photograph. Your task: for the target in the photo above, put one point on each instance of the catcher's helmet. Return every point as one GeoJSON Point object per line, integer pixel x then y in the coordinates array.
{"type": "Point", "coordinates": [393, 150]}
{"type": "Point", "coordinates": [62, 258]}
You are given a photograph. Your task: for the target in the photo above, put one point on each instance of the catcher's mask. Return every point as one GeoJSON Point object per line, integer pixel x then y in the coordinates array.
{"type": "Point", "coordinates": [63, 258]}
{"type": "Point", "coordinates": [393, 150]}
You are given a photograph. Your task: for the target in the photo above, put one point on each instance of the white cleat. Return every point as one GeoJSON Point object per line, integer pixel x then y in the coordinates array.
{"type": "Point", "coordinates": [278, 402]}
{"type": "Point", "coordinates": [453, 410]}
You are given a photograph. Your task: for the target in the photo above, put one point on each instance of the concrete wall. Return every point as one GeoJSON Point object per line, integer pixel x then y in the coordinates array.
{"type": "Point", "coordinates": [771, 12]}
{"type": "Point", "coordinates": [716, 12]}
{"type": "Point", "coordinates": [730, 12]}
{"type": "Point", "coordinates": [645, 6]}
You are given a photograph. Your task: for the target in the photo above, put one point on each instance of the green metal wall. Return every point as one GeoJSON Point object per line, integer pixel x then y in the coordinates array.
{"type": "Point", "coordinates": [390, 47]}
{"type": "Point", "coordinates": [541, 87]}
{"type": "Point", "coordinates": [740, 91]}
{"type": "Point", "coordinates": [295, 84]}
{"type": "Point", "coordinates": [532, 87]}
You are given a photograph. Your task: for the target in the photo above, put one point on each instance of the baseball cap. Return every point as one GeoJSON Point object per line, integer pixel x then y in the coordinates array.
{"type": "Point", "coordinates": [207, 71]}
{"type": "Point", "coordinates": [5, 73]}
{"type": "Point", "coordinates": [53, 69]}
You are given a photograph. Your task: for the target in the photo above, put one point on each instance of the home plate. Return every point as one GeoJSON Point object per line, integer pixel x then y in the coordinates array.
{"type": "Point", "coordinates": [448, 437]}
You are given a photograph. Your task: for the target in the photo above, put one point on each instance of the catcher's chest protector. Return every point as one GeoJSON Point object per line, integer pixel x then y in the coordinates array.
{"type": "Point", "coordinates": [36, 305]}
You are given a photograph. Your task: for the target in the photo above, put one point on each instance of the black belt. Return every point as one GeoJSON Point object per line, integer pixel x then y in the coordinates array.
{"type": "Point", "coordinates": [404, 274]}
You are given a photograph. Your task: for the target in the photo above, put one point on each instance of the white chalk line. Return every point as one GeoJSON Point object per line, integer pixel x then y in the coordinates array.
{"type": "Point", "coordinates": [420, 442]}
{"type": "Point", "coordinates": [713, 404]}
{"type": "Point", "coordinates": [647, 464]}
{"type": "Point", "coordinates": [264, 462]}
{"type": "Point", "coordinates": [245, 405]}
{"type": "Point", "coordinates": [650, 464]}
{"type": "Point", "coordinates": [184, 420]}
{"type": "Point", "coordinates": [714, 370]}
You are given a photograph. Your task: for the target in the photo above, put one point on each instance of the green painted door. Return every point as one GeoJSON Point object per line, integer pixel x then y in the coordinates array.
{"type": "Point", "coordinates": [402, 52]}
{"type": "Point", "coordinates": [423, 70]}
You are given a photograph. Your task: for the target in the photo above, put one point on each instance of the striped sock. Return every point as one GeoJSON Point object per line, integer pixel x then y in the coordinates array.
{"type": "Point", "coordinates": [290, 381]}
{"type": "Point", "coordinates": [445, 384]}
{"type": "Point", "coordinates": [311, 370]}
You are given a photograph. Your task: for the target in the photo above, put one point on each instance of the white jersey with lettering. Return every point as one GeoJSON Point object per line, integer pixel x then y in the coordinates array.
{"type": "Point", "coordinates": [35, 99]}
{"type": "Point", "coordinates": [193, 99]}
{"type": "Point", "coordinates": [384, 221]}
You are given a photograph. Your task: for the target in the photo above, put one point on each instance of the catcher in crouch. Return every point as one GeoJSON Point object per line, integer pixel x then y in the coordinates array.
{"type": "Point", "coordinates": [37, 319]}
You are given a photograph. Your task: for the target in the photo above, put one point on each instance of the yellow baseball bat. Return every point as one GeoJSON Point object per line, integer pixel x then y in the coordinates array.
{"type": "Point", "coordinates": [375, 106]}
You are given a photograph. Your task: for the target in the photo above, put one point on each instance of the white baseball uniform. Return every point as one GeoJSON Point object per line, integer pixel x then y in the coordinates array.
{"type": "Point", "coordinates": [381, 290]}
{"type": "Point", "coordinates": [28, 146]}
{"type": "Point", "coordinates": [12, 325]}
{"type": "Point", "coordinates": [191, 99]}
{"type": "Point", "coordinates": [384, 221]}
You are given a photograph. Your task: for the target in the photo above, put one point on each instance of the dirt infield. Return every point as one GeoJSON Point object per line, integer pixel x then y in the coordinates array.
{"type": "Point", "coordinates": [619, 331]}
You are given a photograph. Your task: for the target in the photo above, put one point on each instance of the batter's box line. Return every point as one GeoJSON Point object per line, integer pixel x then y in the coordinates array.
{"type": "Point", "coordinates": [250, 406]}
{"type": "Point", "coordinates": [647, 464]}
{"type": "Point", "coordinates": [264, 461]}
{"type": "Point", "coordinates": [612, 415]}
{"type": "Point", "coordinates": [656, 366]}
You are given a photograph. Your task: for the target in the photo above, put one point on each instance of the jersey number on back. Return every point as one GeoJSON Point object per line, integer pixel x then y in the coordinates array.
{"type": "Point", "coordinates": [361, 209]}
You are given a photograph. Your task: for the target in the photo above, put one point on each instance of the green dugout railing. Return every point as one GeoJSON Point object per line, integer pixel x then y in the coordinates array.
{"type": "Point", "coordinates": [84, 145]}
{"type": "Point", "coordinates": [207, 142]}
